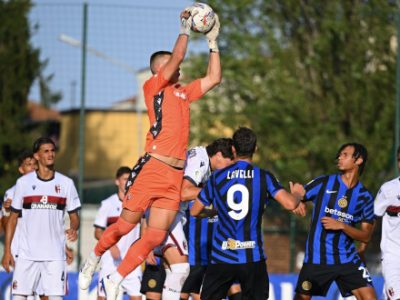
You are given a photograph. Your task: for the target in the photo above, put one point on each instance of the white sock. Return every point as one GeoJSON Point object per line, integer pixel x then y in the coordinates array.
{"type": "Point", "coordinates": [55, 297]}
{"type": "Point", "coordinates": [174, 280]}
{"type": "Point", "coordinates": [116, 277]}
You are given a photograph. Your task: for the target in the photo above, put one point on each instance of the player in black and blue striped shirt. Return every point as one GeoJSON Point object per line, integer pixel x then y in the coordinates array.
{"type": "Point", "coordinates": [340, 202]}
{"type": "Point", "coordinates": [201, 161]}
{"type": "Point", "coordinates": [239, 194]}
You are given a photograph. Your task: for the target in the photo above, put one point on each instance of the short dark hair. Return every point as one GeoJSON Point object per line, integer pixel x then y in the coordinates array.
{"type": "Point", "coordinates": [223, 145]}
{"type": "Point", "coordinates": [42, 141]}
{"type": "Point", "coordinates": [245, 142]}
{"type": "Point", "coordinates": [156, 55]}
{"type": "Point", "coordinates": [24, 155]}
{"type": "Point", "coordinates": [359, 151]}
{"type": "Point", "coordinates": [121, 171]}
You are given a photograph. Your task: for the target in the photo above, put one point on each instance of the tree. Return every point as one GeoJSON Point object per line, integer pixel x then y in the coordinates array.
{"type": "Point", "coordinates": [19, 66]}
{"type": "Point", "coordinates": [307, 76]}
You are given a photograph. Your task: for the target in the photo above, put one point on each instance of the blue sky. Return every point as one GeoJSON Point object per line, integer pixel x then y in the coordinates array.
{"type": "Point", "coordinates": [128, 31]}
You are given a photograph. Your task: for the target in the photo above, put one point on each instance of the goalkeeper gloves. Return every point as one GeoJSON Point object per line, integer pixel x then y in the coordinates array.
{"type": "Point", "coordinates": [186, 21]}
{"type": "Point", "coordinates": [212, 35]}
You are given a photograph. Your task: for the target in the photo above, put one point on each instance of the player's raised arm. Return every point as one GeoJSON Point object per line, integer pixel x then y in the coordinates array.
{"type": "Point", "coordinates": [214, 73]}
{"type": "Point", "coordinates": [179, 51]}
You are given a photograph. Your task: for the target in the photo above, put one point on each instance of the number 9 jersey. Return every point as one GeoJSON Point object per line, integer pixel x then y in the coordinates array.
{"type": "Point", "coordinates": [239, 193]}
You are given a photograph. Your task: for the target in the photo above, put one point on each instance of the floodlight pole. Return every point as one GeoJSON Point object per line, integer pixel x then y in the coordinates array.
{"type": "Point", "coordinates": [82, 114]}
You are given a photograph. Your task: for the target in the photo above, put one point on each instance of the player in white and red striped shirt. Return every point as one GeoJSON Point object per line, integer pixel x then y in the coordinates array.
{"type": "Point", "coordinates": [43, 197]}
{"type": "Point", "coordinates": [107, 215]}
{"type": "Point", "coordinates": [387, 206]}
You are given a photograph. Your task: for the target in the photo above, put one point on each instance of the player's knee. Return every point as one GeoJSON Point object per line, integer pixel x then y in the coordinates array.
{"type": "Point", "coordinates": [154, 236]}
{"type": "Point", "coordinates": [179, 273]}
{"type": "Point", "coordinates": [124, 227]}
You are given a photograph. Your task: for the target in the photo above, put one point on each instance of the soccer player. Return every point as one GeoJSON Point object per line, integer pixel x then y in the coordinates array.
{"type": "Point", "coordinates": [201, 161]}
{"type": "Point", "coordinates": [156, 179]}
{"type": "Point", "coordinates": [42, 197]}
{"type": "Point", "coordinates": [239, 194]}
{"type": "Point", "coordinates": [26, 164]}
{"type": "Point", "coordinates": [340, 202]}
{"type": "Point", "coordinates": [387, 206]}
{"type": "Point", "coordinates": [107, 215]}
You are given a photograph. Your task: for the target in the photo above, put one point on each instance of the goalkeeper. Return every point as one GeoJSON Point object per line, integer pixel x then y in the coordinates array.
{"type": "Point", "coordinates": [156, 179]}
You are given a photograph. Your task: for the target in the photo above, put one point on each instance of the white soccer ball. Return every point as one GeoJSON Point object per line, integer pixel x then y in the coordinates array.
{"type": "Point", "coordinates": [203, 17]}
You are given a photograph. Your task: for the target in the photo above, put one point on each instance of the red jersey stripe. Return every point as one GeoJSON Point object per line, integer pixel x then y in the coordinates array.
{"type": "Point", "coordinates": [50, 199]}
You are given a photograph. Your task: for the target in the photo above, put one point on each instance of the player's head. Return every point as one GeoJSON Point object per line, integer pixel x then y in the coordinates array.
{"type": "Point", "coordinates": [26, 162]}
{"type": "Point", "coordinates": [220, 153]}
{"type": "Point", "coordinates": [158, 60]}
{"type": "Point", "coordinates": [121, 177]}
{"type": "Point", "coordinates": [44, 151]}
{"type": "Point", "coordinates": [244, 142]}
{"type": "Point", "coordinates": [352, 155]}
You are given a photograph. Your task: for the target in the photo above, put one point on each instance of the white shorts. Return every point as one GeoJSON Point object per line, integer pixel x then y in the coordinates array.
{"type": "Point", "coordinates": [46, 277]}
{"type": "Point", "coordinates": [176, 237]}
{"type": "Point", "coordinates": [391, 275]}
{"type": "Point", "coordinates": [130, 284]}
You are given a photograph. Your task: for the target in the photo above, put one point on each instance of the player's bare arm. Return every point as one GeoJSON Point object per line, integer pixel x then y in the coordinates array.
{"type": "Point", "coordinates": [196, 208]}
{"type": "Point", "coordinates": [363, 234]}
{"type": "Point", "coordinates": [287, 200]}
{"type": "Point", "coordinates": [8, 260]}
{"type": "Point", "coordinates": [72, 232]}
{"type": "Point", "coordinates": [179, 51]}
{"type": "Point", "coordinates": [199, 210]}
{"type": "Point", "coordinates": [298, 189]}
{"type": "Point", "coordinates": [6, 214]}
{"type": "Point", "coordinates": [214, 73]}
{"type": "Point", "coordinates": [361, 250]}
{"type": "Point", "coordinates": [189, 190]}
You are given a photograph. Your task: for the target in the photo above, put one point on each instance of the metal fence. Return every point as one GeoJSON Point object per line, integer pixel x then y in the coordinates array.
{"type": "Point", "coordinates": [105, 78]}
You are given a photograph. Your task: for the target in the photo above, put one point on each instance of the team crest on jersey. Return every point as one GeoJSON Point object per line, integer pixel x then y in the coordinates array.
{"type": "Point", "coordinates": [184, 244]}
{"type": "Point", "coordinates": [202, 163]}
{"type": "Point", "coordinates": [152, 283]}
{"type": "Point", "coordinates": [33, 187]}
{"type": "Point", "coordinates": [14, 285]}
{"type": "Point", "coordinates": [57, 188]}
{"type": "Point", "coordinates": [181, 95]}
{"type": "Point", "coordinates": [191, 153]}
{"type": "Point", "coordinates": [343, 202]}
{"type": "Point", "coordinates": [231, 244]}
{"type": "Point", "coordinates": [306, 285]}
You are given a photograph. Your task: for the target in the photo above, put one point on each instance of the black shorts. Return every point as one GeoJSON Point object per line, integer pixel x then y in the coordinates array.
{"type": "Point", "coordinates": [253, 279]}
{"type": "Point", "coordinates": [195, 279]}
{"type": "Point", "coordinates": [153, 279]}
{"type": "Point", "coordinates": [315, 280]}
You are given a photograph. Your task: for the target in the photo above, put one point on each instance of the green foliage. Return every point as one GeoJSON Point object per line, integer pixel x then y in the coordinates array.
{"type": "Point", "coordinates": [307, 76]}
{"type": "Point", "coordinates": [19, 66]}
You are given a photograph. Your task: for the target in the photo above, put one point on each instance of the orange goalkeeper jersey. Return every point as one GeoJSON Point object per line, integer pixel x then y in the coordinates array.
{"type": "Point", "coordinates": [169, 115]}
